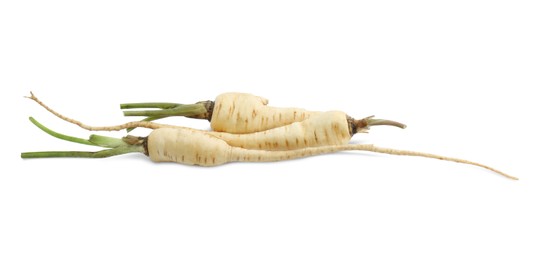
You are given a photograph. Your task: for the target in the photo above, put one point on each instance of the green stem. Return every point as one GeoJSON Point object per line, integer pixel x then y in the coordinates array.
{"type": "Point", "coordinates": [180, 110]}
{"type": "Point", "coordinates": [118, 146]}
{"type": "Point", "coordinates": [80, 154]}
{"type": "Point", "coordinates": [61, 136]}
{"type": "Point", "coordinates": [105, 141]}
{"type": "Point", "coordinates": [160, 105]}
{"type": "Point", "coordinates": [199, 110]}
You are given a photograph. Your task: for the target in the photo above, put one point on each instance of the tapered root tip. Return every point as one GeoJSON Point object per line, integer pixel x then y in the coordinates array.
{"type": "Point", "coordinates": [31, 96]}
{"type": "Point", "coordinates": [507, 176]}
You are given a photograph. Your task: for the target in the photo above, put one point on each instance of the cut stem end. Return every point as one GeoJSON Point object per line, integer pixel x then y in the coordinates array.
{"type": "Point", "coordinates": [363, 125]}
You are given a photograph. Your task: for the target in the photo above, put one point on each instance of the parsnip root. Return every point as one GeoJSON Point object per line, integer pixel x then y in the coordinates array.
{"type": "Point", "coordinates": [196, 147]}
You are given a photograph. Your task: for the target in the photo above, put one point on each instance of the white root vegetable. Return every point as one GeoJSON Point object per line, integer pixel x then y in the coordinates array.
{"type": "Point", "coordinates": [241, 113]}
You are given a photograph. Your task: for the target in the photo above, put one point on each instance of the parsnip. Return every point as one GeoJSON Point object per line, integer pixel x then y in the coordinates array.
{"type": "Point", "coordinates": [240, 113]}
{"type": "Point", "coordinates": [232, 112]}
{"type": "Point", "coordinates": [320, 129]}
{"type": "Point", "coordinates": [191, 147]}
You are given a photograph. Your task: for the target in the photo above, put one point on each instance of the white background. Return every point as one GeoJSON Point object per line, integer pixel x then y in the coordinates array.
{"type": "Point", "coordinates": [466, 76]}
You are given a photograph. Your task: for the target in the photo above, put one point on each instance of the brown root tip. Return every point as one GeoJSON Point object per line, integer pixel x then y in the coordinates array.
{"type": "Point", "coordinates": [146, 145]}
{"type": "Point", "coordinates": [209, 106]}
{"type": "Point", "coordinates": [363, 125]}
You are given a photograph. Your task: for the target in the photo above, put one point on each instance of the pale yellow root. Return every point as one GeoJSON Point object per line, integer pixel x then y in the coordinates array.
{"type": "Point", "coordinates": [193, 147]}
{"type": "Point", "coordinates": [187, 146]}
{"type": "Point", "coordinates": [321, 129]}
{"type": "Point", "coordinates": [241, 113]}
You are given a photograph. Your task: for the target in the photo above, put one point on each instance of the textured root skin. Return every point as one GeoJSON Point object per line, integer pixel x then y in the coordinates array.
{"type": "Point", "coordinates": [321, 129]}
{"type": "Point", "coordinates": [241, 113]}
{"type": "Point", "coordinates": [187, 146]}
{"type": "Point", "coordinates": [192, 147]}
